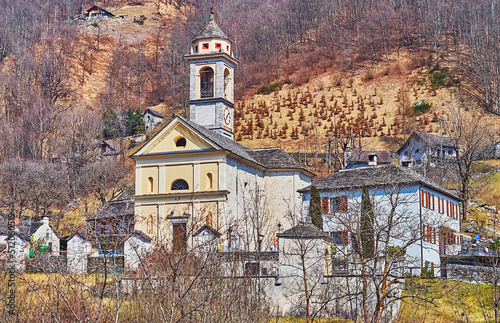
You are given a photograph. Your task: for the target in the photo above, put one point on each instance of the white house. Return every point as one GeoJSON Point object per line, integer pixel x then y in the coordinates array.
{"type": "Point", "coordinates": [422, 149]}
{"type": "Point", "coordinates": [409, 211]}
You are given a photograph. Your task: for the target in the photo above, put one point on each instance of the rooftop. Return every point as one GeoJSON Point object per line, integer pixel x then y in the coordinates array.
{"type": "Point", "coordinates": [376, 176]}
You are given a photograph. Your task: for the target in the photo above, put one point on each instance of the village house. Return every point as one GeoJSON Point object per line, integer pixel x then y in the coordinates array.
{"type": "Point", "coordinates": [422, 212]}
{"type": "Point", "coordinates": [424, 149]}
{"type": "Point", "coordinates": [192, 173]}
{"type": "Point", "coordinates": [152, 119]}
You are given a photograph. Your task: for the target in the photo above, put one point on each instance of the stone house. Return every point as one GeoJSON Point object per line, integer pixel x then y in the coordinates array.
{"type": "Point", "coordinates": [422, 149]}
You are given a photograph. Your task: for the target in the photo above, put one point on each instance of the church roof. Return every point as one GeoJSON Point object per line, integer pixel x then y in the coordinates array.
{"type": "Point", "coordinates": [271, 158]}
{"type": "Point", "coordinates": [212, 30]}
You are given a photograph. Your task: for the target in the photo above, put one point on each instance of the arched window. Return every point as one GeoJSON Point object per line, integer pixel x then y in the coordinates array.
{"type": "Point", "coordinates": [227, 81]}
{"type": "Point", "coordinates": [181, 142]}
{"type": "Point", "coordinates": [149, 226]}
{"type": "Point", "coordinates": [207, 82]}
{"type": "Point", "coordinates": [210, 183]}
{"type": "Point", "coordinates": [151, 183]}
{"type": "Point", "coordinates": [179, 184]}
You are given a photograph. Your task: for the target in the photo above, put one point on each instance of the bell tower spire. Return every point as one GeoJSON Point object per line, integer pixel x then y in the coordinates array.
{"type": "Point", "coordinates": [211, 80]}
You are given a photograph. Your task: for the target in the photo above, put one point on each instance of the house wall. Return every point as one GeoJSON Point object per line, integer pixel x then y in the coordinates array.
{"type": "Point", "coordinates": [134, 249]}
{"type": "Point", "coordinates": [40, 236]}
{"type": "Point", "coordinates": [426, 250]}
{"type": "Point", "coordinates": [77, 253]}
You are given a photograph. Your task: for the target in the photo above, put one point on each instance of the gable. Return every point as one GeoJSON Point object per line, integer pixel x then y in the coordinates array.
{"type": "Point", "coordinates": [165, 140]}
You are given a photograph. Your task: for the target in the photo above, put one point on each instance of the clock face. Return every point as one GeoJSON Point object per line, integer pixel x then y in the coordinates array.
{"type": "Point", "coordinates": [227, 117]}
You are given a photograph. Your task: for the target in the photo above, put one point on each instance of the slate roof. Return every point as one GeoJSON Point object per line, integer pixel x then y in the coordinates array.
{"type": "Point", "coordinates": [304, 230]}
{"type": "Point", "coordinates": [383, 157]}
{"type": "Point", "coordinates": [26, 227]}
{"type": "Point", "coordinates": [155, 113]}
{"type": "Point", "coordinates": [212, 30]}
{"type": "Point", "coordinates": [430, 140]}
{"type": "Point", "coordinates": [270, 158]}
{"type": "Point", "coordinates": [209, 228]}
{"type": "Point", "coordinates": [141, 235]}
{"type": "Point", "coordinates": [114, 208]}
{"type": "Point", "coordinates": [376, 176]}
{"type": "Point", "coordinates": [112, 151]}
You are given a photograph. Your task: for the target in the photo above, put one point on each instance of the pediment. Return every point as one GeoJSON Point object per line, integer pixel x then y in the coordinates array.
{"type": "Point", "coordinates": [166, 141]}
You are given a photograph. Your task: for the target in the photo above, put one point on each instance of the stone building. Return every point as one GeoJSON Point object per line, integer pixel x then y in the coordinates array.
{"type": "Point", "coordinates": [192, 173]}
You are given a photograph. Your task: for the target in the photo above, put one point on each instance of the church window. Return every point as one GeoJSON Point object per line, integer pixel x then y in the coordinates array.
{"type": "Point", "coordinates": [210, 180]}
{"type": "Point", "coordinates": [227, 48]}
{"type": "Point", "coordinates": [181, 142]}
{"type": "Point", "coordinates": [217, 46]}
{"type": "Point", "coordinates": [179, 184]}
{"type": "Point", "coordinates": [150, 187]}
{"type": "Point", "coordinates": [227, 80]}
{"type": "Point", "coordinates": [207, 82]}
{"type": "Point", "coordinates": [196, 49]}
{"type": "Point", "coordinates": [149, 226]}
{"type": "Point", "coordinates": [205, 45]}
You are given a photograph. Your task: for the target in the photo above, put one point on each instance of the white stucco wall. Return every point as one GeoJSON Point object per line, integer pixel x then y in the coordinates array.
{"type": "Point", "coordinates": [78, 251]}
{"type": "Point", "coordinates": [134, 249]}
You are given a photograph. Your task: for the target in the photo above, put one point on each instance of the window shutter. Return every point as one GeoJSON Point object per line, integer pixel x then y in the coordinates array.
{"type": "Point", "coordinates": [423, 231]}
{"type": "Point", "coordinates": [457, 211]}
{"type": "Point", "coordinates": [324, 204]}
{"type": "Point", "coordinates": [433, 208]}
{"type": "Point", "coordinates": [343, 203]}
{"type": "Point", "coordinates": [423, 198]}
{"type": "Point", "coordinates": [345, 237]}
{"type": "Point", "coordinates": [448, 208]}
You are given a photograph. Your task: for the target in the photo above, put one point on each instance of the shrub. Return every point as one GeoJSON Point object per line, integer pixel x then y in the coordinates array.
{"type": "Point", "coordinates": [420, 107]}
{"type": "Point", "coordinates": [438, 79]}
{"type": "Point", "coordinates": [268, 89]}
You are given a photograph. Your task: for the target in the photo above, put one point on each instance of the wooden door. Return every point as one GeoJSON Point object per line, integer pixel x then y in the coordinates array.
{"type": "Point", "coordinates": [179, 237]}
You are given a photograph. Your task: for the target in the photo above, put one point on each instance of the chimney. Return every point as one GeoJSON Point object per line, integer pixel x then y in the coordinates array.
{"type": "Point", "coordinates": [45, 220]}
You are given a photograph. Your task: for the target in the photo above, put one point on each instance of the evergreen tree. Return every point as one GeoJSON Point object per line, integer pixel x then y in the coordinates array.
{"type": "Point", "coordinates": [367, 232]}
{"type": "Point", "coordinates": [315, 208]}
{"type": "Point", "coordinates": [134, 122]}
{"type": "Point", "coordinates": [111, 126]}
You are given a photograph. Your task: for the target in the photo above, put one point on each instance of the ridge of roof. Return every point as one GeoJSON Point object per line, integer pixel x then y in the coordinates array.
{"type": "Point", "coordinates": [212, 30]}
{"type": "Point", "coordinates": [376, 176]}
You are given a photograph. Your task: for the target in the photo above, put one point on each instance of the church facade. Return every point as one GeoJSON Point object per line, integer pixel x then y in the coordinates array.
{"type": "Point", "coordinates": [192, 177]}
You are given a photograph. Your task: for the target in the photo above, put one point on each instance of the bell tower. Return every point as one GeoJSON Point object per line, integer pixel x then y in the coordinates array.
{"type": "Point", "coordinates": [211, 80]}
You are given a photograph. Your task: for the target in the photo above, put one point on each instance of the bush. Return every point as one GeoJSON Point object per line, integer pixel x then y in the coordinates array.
{"type": "Point", "coordinates": [269, 89]}
{"type": "Point", "coordinates": [420, 107]}
{"type": "Point", "coordinates": [441, 78]}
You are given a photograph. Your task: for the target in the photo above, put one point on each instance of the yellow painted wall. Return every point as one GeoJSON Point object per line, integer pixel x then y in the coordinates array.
{"type": "Point", "coordinates": [147, 172]}
{"type": "Point", "coordinates": [204, 214]}
{"type": "Point", "coordinates": [178, 209]}
{"type": "Point", "coordinates": [166, 143]}
{"type": "Point", "coordinates": [213, 169]}
{"type": "Point", "coordinates": [175, 172]}
{"type": "Point", "coordinates": [211, 46]}
{"type": "Point", "coordinates": [141, 220]}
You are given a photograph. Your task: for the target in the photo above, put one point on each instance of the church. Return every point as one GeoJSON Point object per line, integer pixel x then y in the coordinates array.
{"type": "Point", "coordinates": [193, 182]}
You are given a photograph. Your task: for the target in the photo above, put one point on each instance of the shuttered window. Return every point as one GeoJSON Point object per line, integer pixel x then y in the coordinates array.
{"type": "Point", "coordinates": [343, 203]}
{"type": "Point", "coordinates": [324, 204]}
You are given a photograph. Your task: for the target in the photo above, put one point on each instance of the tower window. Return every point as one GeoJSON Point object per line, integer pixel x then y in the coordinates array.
{"type": "Point", "coordinates": [217, 46]}
{"type": "Point", "coordinates": [196, 49]}
{"type": "Point", "coordinates": [205, 45]}
{"type": "Point", "coordinates": [150, 188]}
{"type": "Point", "coordinates": [179, 184]}
{"type": "Point", "coordinates": [210, 182]}
{"type": "Point", "coordinates": [227, 48]}
{"type": "Point", "coordinates": [181, 142]}
{"type": "Point", "coordinates": [227, 79]}
{"type": "Point", "coordinates": [207, 82]}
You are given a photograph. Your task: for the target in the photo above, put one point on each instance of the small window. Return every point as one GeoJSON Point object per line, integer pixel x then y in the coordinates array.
{"type": "Point", "coordinates": [179, 184]}
{"type": "Point", "coordinates": [371, 158]}
{"type": "Point", "coordinates": [209, 180]}
{"type": "Point", "coordinates": [338, 204]}
{"type": "Point", "coordinates": [47, 236]}
{"type": "Point", "coordinates": [150, 188]}
{"type": "Point", "coordinates": [227, 48]}
{"type": "Point", "coordinates": [181, 142]}
{"type": "Point", "coordinates": [196, 49]}
{"type": "Point", "coordinates": [205, 45]}
{"type": "Point", "coordinates": [217, 46]}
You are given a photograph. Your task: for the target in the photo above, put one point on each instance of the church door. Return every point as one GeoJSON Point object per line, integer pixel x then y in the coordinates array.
{"type": "Point", "coordinates": [180, 237]}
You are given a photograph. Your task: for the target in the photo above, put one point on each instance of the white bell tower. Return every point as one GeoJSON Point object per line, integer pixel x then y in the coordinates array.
{"type": "Point", "coordinates": [211, 80]}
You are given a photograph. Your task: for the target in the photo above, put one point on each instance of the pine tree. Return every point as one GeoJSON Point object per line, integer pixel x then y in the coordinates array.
{"type": "Point", "coordinates": [315, 208]}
